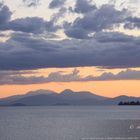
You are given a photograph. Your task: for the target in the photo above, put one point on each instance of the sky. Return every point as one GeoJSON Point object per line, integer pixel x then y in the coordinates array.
{"type": "Point", "coordinates": [82, 45]}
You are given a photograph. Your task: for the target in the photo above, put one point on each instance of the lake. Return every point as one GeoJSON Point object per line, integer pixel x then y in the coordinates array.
{"type": "Point", "coordinates": [70, 123]}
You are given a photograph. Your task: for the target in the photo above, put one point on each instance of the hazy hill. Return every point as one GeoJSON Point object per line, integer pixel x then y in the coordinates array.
{"type": "Point", "coordinates": [66, 97]}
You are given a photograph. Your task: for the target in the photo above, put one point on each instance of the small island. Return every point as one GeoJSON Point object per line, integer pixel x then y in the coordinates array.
{"type": "Point", "coordinates": [130, 103]}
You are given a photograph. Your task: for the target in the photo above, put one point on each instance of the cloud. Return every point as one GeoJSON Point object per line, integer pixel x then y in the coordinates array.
{"type": "Point", "coordinates": [132, 23]}
{"type": "Point", "coordinates": [2, 35]}
{"type": "Point", "coordinates": [21, 80]}
{"type": "Point", "coordinates": [123, 75]}
{"type": "Point", "coordinates": [2, 73]}
{"type": "Point", "coordinates": [13, 77]}
{"type": "Point", "coordinates": [105, 17]}
{"type": "Point", "coordinates": [18, 78]}
{"type": "Point", "coordinates": [113, 37]}
{"type": "Point", "coordinates": [74, 76]}
{"type": "Point", "coordinates": [35, 25]}
{"type": "Point", "coordinates": [24, 51]}
{"type": "Point", "coordinates": [28, 25]}
{"type": "Point", "coordinates": [84, 6]}
{"type": "Point", "coordinates": [77, 33]}
{"type": "Point", "coordinates": [5, 14]}
{"type": "Point", "coordinates": [56, 3]}
{"type": "Point", "coordinates": [31, 3]}
{"type": "Point", "coordinates": [93, 20]}
{"type": "Point", "coordinates": [59, 77]}
{"type": "Point", "coordinates": [27, 48]}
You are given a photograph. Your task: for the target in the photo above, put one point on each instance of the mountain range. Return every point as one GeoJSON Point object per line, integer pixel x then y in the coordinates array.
{"type": "Point", "coordinates": [66, 97]}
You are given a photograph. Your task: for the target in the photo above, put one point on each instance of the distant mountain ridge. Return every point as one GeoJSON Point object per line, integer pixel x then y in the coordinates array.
{"type": "Point", "coordinates": [66, 97]}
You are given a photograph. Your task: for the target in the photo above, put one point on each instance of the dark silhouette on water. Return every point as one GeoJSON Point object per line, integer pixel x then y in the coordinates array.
{"type": "Point", "coordinates": [130, 103]}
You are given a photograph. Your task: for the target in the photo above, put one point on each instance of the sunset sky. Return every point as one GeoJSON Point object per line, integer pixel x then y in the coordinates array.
{"type": "Point", "coordinates": [83, 45]}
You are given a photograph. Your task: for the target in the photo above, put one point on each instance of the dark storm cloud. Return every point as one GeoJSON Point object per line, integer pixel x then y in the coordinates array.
{"type": "Point", "coordinates": [30, 42]}
{"type": "Point", "coordinates": [24, 51]}
{"type": "Point", "coordinates": [84, 6]}
{"type": "Point", "coordinates": [18, 78]}
{"type": "Point", "coordinates": [113, 37]}
{"type": "Point", "coordinates": [105, 17]}
{"type": "Point", "coordinates": [56, 3]}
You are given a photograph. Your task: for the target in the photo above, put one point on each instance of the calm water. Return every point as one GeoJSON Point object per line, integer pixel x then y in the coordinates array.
{"type": "Point", "coordinates": [69, 123]}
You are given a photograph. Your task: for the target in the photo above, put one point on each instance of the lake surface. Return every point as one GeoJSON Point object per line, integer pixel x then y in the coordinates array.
{"type": "Point", "coordinates": [70, 123]}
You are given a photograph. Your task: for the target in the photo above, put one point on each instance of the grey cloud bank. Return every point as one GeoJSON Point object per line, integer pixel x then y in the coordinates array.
{"type": "Point", "coordinates": [24, 51]}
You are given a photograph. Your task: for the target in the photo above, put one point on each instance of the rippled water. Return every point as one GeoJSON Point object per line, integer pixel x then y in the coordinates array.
{"type": "Point", "coordinates": [69, 123]}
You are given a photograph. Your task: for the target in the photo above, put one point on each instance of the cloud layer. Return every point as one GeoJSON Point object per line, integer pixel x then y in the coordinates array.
{"type": "Point", "coordinates": [24, 51]}
{"type": "Point", "coordinates": [18, 78]}
{"type": "Point", "coordinates": [90, 39]}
